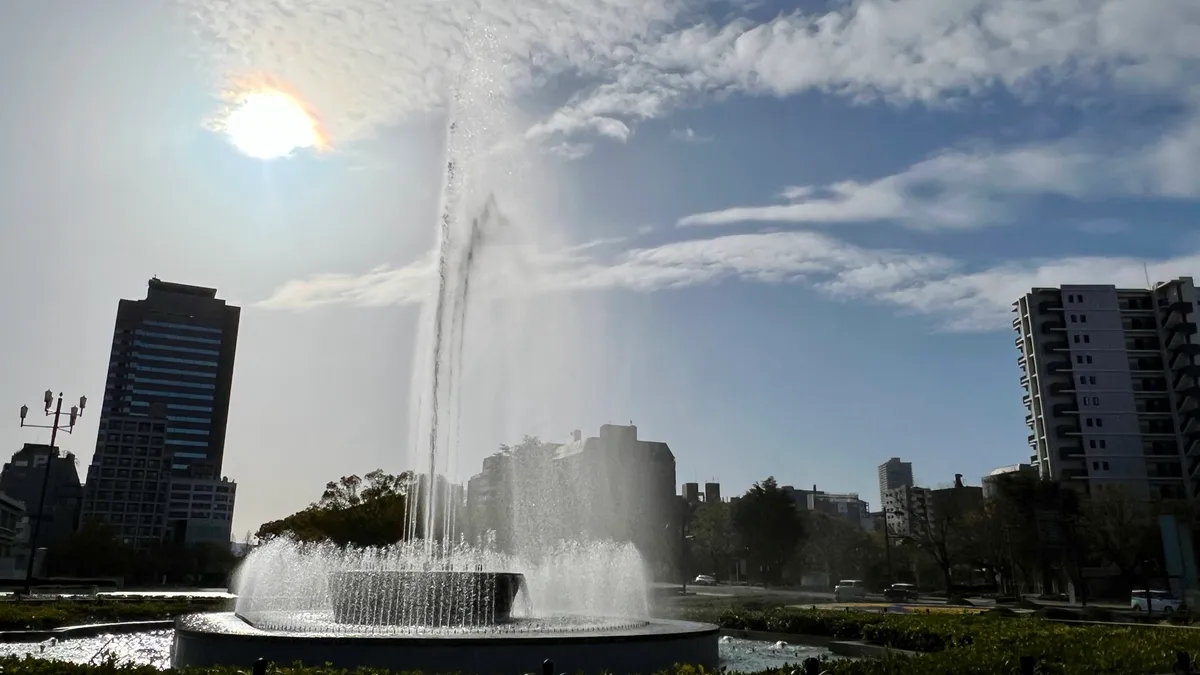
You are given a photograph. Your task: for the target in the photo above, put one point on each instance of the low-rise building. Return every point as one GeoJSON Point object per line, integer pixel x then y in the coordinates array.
{"type": "Point", "coordinates": [14, 538]}
{"type": "Point", "coordinates": [200, 510]}
{"type": "Point", "coordinates": [22, 479]}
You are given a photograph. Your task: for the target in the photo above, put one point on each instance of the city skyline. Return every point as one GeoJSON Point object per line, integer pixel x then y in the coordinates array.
{"type": "Point", "coordinates": [783, 238]}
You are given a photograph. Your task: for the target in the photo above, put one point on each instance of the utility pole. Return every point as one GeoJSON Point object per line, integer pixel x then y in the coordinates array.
{"type": "Point", "coordinates": [52, 454]}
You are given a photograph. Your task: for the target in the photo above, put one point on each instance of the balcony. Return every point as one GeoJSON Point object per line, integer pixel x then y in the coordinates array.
{"type": "Point", "coordinates": [1071, 453]}
{"type": "Point", "coordinates": [1061, 388]}
{"type": "Point", "coordinates": [1067, 430]}
{"type": "Point", "coordinates": [1022, 361]}
{"type": "Point", "coordinates": [1181, 307]}
{"type": "Point", "coordinates": [1190, 371]}
{"type": "Point", "coordinates": [1017, 323]}
{"type": "Point", "coordinates": [1180, 332]}
{"type": "Point", "coordinates": [1183, 347]}
{"type": "Point", "coordinates": [1058, 366]}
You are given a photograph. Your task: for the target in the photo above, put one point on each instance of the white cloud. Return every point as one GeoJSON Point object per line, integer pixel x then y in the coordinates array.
{"type": "Point", "coordinates": [954, 297]}
{"type": "Point", "coordinates": [925, 51]}
{"type": "Point", "coordinates": [976, 188]}
{"type": "Point", "coordinates": [366, 63]}
{"type": "Point", "coordinates": [689, 135]}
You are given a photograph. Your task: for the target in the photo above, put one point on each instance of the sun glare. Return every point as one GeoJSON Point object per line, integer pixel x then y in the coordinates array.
{"type": "Point", "coordinates": [270, 123]}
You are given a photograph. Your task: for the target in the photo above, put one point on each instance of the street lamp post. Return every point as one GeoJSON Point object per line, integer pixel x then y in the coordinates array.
{"type": "Point", "coordinates": [55, 427]}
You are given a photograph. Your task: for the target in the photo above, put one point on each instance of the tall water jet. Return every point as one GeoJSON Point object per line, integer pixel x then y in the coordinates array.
{"type": "Point", "coordinates": [432, 602]}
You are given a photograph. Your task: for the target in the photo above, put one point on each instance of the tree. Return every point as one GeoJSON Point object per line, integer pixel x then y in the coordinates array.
{"type": "Point", "coordinates": [1120, 528]}
{"type": "Point", "coordinates": [769, 528]}
{"type": "Point", "coordinates": [95, 550]}
{"type": "Point", "coordinates": [840, 549]}
{"type": "Point", "coordinates": [351, 512]}
{"type": "Point", "coordinates": [713, 537]}
{"type": "Point", "coordinates": [941, 531]}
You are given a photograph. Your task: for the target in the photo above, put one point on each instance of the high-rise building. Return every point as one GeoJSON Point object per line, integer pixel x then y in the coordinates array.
{"type": "Point", "coordinates": [712, 493]}
{"type": "Point", "coordinates": [22, 479]}
{"type": "Point", "coordinates": [164, 412]}
{"type": "Point", "coordinates": [691, 493]}
{"type": "Point", "coordinates": [894, 473]}
{"type": "Point", "coordinates": [1112, 385]}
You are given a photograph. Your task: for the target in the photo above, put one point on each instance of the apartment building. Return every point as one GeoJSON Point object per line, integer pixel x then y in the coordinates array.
{"type": "Point", "coordinates": [1112, 385]}
{"type": "Point", "coordinates": [894, 473]}
{"type": "Point", "coordinates": [905, 507]}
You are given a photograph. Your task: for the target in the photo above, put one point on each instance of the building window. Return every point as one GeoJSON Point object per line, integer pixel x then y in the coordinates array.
{"type": "Point", "coordinates": [1087, 339]}
{"type": "Point", "coordinates": [1090, 423]}
{"type": "Point", "coordinates": [1091, 379]}
{"type": "Point", "coordinates": [1079, 358]}
{"type": "Point", "coordinates": [1083, 379]}
{"type": "Point", "coordinates": [1083, 318]}
{"type": "Point", "coordinates": [1087, 359]}
{"type": "Point", "coordinates": [1076, 339]}
{"type": "Point", "coordinates": [1099, 421]}
{"type": "Point", "coordinates": [1074, 318]}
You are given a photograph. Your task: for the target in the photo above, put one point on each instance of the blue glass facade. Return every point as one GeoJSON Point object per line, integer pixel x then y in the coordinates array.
{"type": "Point", "coordinates": [166, 402]}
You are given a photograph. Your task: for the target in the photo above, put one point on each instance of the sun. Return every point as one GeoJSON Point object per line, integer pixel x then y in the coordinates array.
{"type": "Point", "coordinates": [267, 122]}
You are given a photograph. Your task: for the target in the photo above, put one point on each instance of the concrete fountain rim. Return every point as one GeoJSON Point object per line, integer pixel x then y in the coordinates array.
{"type": "Point", "coordinates": [230, 626]}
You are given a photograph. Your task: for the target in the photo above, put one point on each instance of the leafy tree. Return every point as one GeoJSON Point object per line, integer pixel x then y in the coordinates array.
{"type": "Point", "coordinates": [713, 537]}
{"type": "Point", "coordinates": [351, 512]}
{"type": "Point", "coordinates": [769, 528]}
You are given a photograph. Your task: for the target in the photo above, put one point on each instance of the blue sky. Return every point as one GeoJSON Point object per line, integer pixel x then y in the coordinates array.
{"type": "Point", "coordinates": [781, 238]}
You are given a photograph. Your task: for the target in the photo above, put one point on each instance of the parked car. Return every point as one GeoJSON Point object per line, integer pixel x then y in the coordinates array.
{"type": "Point", "coordinates": [900, 593]}
{"type": "Point", "coordinates": [849, 589]}
{"type": "Point", "coordinates": [1153, 601]}
{"type": "Point", "coordinates": [704, 580]}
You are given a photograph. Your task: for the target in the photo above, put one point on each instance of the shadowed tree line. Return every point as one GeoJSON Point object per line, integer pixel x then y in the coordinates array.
{"type": "Point", "coordinates": [1029, 536]}
{"type": "Point", "coordinates": [352, 511]}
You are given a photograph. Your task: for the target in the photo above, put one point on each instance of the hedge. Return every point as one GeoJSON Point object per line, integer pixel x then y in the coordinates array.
{"type": "Point", "coordinates": [980, 643]}
{"type": "Point", "coordinates": [949, 644]}
{"type": "Point", "coordinates": [32, 615]}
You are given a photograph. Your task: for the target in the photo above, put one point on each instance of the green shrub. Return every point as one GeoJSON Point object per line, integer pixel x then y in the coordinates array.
{"type": "Point", "coordinates": [47, 615]}
{"type": "Point", "coordinates": [986, 643]}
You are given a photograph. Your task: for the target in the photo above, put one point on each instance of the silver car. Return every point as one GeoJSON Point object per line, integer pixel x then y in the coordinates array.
{"type": "Point", "coordinates": [849, 589]}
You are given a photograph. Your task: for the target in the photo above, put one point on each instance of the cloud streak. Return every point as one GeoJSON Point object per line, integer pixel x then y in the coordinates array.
{"type": "Point", "coordinates": [954, 297]}
{"type": "Point", "coordinates": [960, 189]}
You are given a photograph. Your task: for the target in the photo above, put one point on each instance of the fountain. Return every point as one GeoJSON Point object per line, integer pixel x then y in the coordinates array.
{"type": "Point", "coordinates": [435, 602]}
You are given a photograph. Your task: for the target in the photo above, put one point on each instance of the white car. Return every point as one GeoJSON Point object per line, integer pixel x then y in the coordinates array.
{"type": "Point", "coordinates": [849, 589]}
{"type": "Point", "coordinates": [705, 580]}
{"type": "Point", "coordinates": [1153, 601]}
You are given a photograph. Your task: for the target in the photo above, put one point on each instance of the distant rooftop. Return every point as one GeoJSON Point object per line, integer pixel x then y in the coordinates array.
{"type": "Point", "coordinates": [158, 285]}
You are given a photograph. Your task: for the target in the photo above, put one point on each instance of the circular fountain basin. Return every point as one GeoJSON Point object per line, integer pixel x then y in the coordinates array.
{"type": "Point", "coordinates": [403, 597]}
{"type": "Point", "coordinates": [588, 645]}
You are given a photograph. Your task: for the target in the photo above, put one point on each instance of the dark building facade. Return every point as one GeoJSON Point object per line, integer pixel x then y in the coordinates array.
{"type": "Point", "coordinates": [166, 404]}
{"type": "Point", "coordinates": [712, 493]}
{"type": "Point", "coordinates": [22, 478]}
